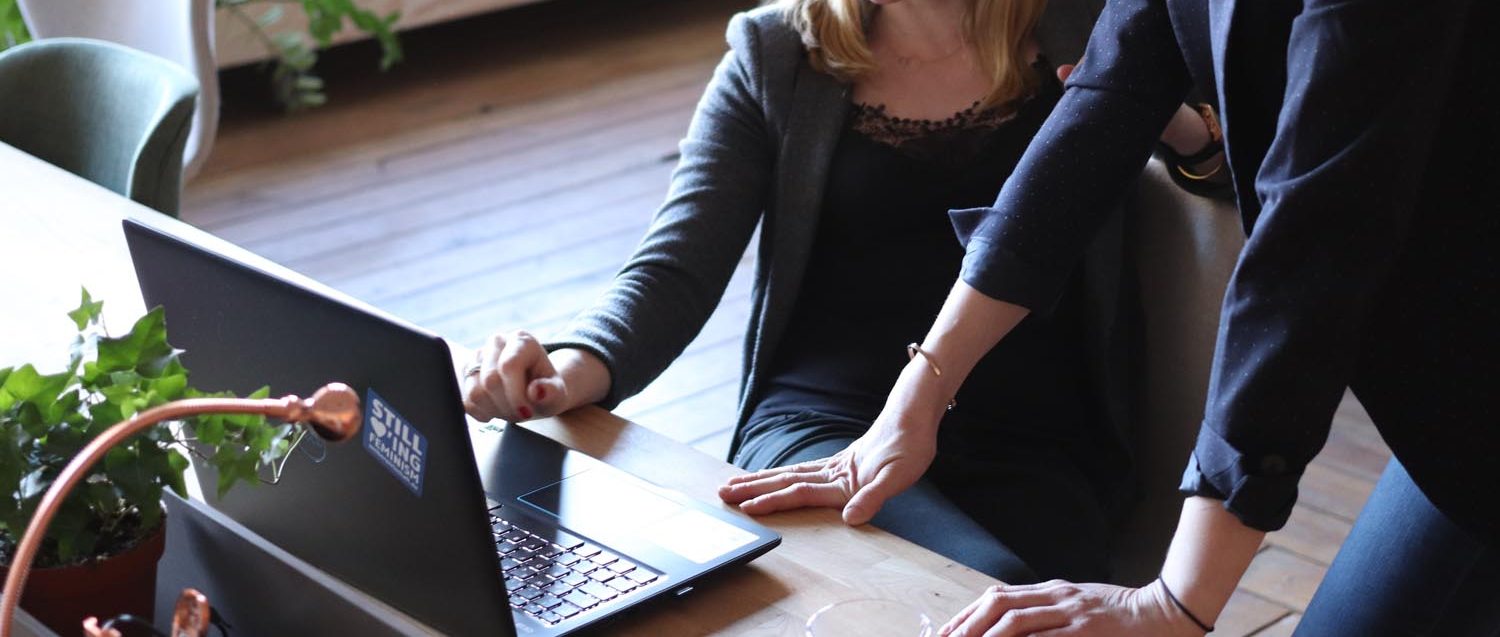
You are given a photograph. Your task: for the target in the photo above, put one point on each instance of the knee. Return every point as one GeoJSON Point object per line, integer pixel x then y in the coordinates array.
{"type": "Point", "coordinates": [1004, 566]}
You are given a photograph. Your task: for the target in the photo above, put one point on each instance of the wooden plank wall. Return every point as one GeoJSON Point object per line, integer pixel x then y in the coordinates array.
{"type": "Point", "coordinates": [500, 177]}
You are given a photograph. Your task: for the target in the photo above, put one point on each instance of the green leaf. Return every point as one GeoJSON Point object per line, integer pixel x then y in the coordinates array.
{"type": "Point", "coordinates": [104, 416]}
{"type": "Point", "coordinates": [261, 438]}
{"type": "Point", "coordinates": [22, 383]}
{"type": "Point", "coordinates": [124, 467]}
{"type": "Point", "coordinates": [6, 399]}
{"type": "Point", "coordinates": [146, 342]}
{"type": "Point", "coordinates": [209, 430]}
{"type": "Point", "coordinates": [168, 387]}
{"type": "Point", "coordinates": [124, 379]}
{"type": "Point", "coordinates": [69, 529]}
{"type": "Point", "coordinates": [105, 496]}
{"type": "Point", "coordinates": [12, 458]}
{"type": "Point", "coordinates": [88, 311]}
{"type": "Point", "coordinates": [177, 466]}
{"type": "Point", "coordinates": [12, 27]}
{"type": "Point", "coordinates": [65, 442]}
{"type": "Point", "coordinates": [150, 507]}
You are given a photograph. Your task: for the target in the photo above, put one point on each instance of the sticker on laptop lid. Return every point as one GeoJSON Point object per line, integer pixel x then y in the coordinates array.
{"type": "Point", "coordinates": [394, 442]}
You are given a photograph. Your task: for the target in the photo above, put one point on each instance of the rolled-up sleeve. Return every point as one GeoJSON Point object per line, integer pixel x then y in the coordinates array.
{"type": "Point", "coordinates": [1365, 83]}
{"type": "Point", "coordinates": [1081, 163]}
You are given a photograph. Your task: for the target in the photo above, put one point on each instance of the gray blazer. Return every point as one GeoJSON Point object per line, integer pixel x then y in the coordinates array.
{"type": "Point", "coordinates": [758, 151]}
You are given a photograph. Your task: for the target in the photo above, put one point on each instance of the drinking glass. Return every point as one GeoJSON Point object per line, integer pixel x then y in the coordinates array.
{"type": "Point", "coordinates": [869, 618]}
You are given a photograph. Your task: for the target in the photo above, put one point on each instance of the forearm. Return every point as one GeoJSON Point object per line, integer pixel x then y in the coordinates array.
{"type": "Point", "coordinates": [967, 327]}
{"type": "Point", "coordinates": [1209, 555]}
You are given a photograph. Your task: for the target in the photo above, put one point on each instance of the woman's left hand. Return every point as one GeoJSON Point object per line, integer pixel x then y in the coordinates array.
{"type": "Point", "coordinates": [898, 448]}
{"type": "Point", "coordinates": [1058, 609]}
{"type": "Point", "coordinates": [883, 462]}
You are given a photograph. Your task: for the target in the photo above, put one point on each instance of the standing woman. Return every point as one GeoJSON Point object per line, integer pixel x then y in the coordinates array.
{"type": "Point", "coordinates": [847, 129]}
{"type": "Point", "coordinates": [1358, 140]}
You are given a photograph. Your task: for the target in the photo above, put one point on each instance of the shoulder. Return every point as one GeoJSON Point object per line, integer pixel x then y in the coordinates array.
{"type": "Point", "coordinates": [766, 32]}
{"type": "Point", "coordinates": [768, 48]}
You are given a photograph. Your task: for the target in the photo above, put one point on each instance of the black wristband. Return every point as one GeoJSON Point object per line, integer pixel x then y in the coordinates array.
{"type": "Point", "coordinates": [1180, 606]}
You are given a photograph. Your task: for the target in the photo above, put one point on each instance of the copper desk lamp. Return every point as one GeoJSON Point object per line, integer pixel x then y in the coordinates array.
{"type": "Point", "coordinates": [333, 413]}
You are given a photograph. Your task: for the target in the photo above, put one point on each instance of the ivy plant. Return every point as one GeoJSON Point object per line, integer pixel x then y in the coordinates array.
{"type": "Point", "coordinates": [46, 419]}
{"type": "Point", "coordinates": [293, 81]}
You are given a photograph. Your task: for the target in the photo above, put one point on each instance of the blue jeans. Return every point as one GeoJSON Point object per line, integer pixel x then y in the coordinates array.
{"type": "Point", "coordinates": [1407, 570]}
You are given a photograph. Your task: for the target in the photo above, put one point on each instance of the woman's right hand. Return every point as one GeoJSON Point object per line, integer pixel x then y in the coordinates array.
{"type": "Point", "coordinates": [517, 380]}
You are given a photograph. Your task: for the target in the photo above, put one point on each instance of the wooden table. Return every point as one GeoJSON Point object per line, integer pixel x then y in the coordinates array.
{"type": "Point", "coordinates": [59, 232]}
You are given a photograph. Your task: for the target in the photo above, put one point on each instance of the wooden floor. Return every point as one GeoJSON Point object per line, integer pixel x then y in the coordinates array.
{"type": "Point", "coordinates": [500, 177]}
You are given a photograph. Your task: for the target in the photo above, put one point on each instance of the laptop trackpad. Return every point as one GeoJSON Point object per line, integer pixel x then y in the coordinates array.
{"type": "Point", "coordinates": [594, 500]}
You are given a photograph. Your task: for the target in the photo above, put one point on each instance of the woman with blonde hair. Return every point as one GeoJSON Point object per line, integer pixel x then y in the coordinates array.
{"type": "Point", "coordinates": [847, 129]}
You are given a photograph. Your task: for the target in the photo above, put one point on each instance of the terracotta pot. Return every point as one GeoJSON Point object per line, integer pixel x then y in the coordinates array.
{"type": "Point", "coordinates": [61, 597]}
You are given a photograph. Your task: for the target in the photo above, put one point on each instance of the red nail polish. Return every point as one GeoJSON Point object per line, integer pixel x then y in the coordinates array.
{"type": "Point", "coordinates": [525, 412]}
{"type": "Point", "coordinates": [541, 393]}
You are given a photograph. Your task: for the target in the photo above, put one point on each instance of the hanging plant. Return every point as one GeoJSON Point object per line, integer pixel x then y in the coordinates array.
{"type": "Point", "coordinates": [293, 82]}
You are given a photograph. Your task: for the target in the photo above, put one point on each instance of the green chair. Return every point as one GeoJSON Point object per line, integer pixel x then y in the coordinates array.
{"type": "Point", "coordinates": [110, 114]}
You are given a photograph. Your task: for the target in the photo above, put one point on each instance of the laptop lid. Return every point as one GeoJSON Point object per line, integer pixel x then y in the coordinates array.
{"type": "Point", "coordinates": [405, 524]}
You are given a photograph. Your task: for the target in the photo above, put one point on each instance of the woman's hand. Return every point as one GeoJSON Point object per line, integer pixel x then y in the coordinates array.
{"type": "Point", "coordinates": [1058, 609]}
{"type": "Point", "coordinates": [889, 458]}
{"type": "Point", "coordinates": [859, 479]}
{"type": "Point", "coordinates": [517, 380]}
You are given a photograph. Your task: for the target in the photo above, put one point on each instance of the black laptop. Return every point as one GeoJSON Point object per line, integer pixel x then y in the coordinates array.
{"type": "Point", "coordinates": [523, 537]}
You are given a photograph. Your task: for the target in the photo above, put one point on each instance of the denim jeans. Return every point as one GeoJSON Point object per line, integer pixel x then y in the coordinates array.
{"type": "Point", "coordinates": [1406, 569]}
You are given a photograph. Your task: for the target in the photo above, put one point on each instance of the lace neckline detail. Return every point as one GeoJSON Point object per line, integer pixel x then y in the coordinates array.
{"type": "Point", "coordinates": [971, 124]}
{"type": "Point", "coordinates": [873, 122]}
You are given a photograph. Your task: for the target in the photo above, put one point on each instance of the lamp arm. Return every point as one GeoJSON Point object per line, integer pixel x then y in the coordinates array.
{"type": "Point", "coordinates": [333, 412]}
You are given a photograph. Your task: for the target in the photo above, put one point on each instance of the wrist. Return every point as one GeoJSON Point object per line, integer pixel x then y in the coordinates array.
{"type": "Point", "coordinates": [585, 376]}
{"type": "Point", "coordinates": [1193, 131]}
{"type": "Point", "coordinates": [1183, 621]}
{"type": "Point", "coordinates": [919, 397]}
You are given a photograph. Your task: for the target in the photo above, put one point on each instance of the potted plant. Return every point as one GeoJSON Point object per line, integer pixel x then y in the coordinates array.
{"type": "Point", "coordinates": [99, 555]}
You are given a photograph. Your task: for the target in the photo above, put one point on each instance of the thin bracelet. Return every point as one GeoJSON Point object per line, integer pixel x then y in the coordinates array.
{"type": "Point", "coordinates": [1206, 628]}
{"type": "Point", "coordinates": [1203, 176]}
{"type": "Point", "coordinates": [912, 350]}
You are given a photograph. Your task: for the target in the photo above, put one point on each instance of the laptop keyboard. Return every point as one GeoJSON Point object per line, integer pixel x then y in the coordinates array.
{"type": "Point", "coordinates": [553, 582]}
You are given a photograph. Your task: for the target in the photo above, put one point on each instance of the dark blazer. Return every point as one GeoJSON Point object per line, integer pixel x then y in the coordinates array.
{"type": "Point", "coordinates": [757, 154]}
{"type": "Point", "coordinates": [1360, 138]}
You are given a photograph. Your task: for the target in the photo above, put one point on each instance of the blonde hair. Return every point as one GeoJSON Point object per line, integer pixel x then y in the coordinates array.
{"type": "Point", "coordinates": [834, 33]}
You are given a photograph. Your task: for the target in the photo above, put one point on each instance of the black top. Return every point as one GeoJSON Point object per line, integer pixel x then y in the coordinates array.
{"type": "Point", "coordinates": [1362, 158]}
{"type": "Point", "coordinates": [885, 258]}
